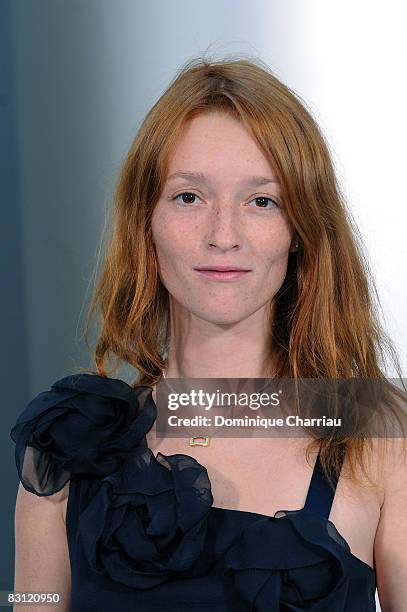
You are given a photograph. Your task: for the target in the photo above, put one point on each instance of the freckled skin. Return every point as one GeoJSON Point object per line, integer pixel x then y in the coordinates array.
{"type": "Point", "coordinates": [222, 225]}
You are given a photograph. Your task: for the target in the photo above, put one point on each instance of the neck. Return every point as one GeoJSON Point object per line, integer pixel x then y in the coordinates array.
{"type": "Point", "coordinates": [204, 349]}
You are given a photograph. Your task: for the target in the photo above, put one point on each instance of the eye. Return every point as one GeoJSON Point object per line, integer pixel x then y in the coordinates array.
{"type": "Point", "coordinates": [263, 201]}
{"type": "Point", "coordinates": [188, 194]}
{"type": "Point", "coordinates": [188, 198]}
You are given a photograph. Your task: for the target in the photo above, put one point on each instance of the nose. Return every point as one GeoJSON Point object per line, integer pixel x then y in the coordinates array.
{"type": "Point", "coordinates": [224, 230]}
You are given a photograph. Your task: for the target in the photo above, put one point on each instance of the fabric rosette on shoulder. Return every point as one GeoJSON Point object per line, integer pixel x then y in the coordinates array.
{"type": "Point", "coordinates": [147, 522]}
{"type": "Point", "coordinates": [85, 424]}
{"type": "Point", "coordinates": [293, 561]}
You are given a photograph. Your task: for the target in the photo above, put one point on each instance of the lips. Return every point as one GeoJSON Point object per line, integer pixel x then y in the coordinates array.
{"type": "Point", "coordinates": [222, 275]}
{"type": "Point", "coordinates": [222, 269]}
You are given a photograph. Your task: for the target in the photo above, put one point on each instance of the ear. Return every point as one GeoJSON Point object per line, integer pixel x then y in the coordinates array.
{"type": "Point", "coordinates": [295, 244]}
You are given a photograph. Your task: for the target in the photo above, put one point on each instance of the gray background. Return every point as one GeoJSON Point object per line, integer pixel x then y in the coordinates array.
{"type": "Point", "coordinates": [77, 77]}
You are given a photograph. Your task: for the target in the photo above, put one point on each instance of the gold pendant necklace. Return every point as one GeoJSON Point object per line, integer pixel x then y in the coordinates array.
{"type": "Point", "coordinates": [195, 440]}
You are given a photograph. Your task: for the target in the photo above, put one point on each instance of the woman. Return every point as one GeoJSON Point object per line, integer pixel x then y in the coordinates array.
{"type": "Point", "coordinates": [228, 169]}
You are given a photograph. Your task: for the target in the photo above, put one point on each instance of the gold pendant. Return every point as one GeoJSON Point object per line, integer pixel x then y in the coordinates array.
{"type": "Point", "coordinates": [194, 441]}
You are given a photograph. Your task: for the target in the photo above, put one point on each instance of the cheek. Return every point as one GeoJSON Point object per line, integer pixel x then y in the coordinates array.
{"type": "Point", "coordinates": [165, 235]}
{"type": "Point", "coordinates": [272, 256]}
{"type": "Point", "coordinates": [172, 244]}
{"type": "Point", "coordinates": [272, 251]}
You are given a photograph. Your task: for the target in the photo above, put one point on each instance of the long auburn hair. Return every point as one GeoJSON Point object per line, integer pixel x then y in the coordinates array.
{"type": "Point", "coordinates": [326, 321]}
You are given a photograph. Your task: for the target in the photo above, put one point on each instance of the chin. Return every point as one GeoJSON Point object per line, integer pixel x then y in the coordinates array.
{"type": "Point", "coordinates": [219, 318]}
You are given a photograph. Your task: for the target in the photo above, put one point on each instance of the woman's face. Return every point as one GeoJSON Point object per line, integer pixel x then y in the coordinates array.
{"type": "Point", "coordinates": [220, 206]}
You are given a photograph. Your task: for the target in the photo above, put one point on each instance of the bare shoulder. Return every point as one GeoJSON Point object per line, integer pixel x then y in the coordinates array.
{"type": "Point", "coordinates": [391, 535]}
{"type": "Point", "coordinates": [386, 462]}
{"type": "Point", "coordinates": [393, 455]}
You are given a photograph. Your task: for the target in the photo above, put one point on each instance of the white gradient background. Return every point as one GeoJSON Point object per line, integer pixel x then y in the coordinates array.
{"type": "Point", "coordinates": [83, 75]}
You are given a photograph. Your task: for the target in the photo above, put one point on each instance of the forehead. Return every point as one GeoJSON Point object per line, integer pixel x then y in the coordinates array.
{"type": "Point", "coordinates": [217, 141]}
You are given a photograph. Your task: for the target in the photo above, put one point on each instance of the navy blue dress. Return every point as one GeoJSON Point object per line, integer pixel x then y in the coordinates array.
{"type": "Point", "coordinates": [143, 532]}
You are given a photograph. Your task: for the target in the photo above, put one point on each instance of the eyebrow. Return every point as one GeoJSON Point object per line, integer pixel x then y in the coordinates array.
{"type": "Point", "coordinates": [199, 177]}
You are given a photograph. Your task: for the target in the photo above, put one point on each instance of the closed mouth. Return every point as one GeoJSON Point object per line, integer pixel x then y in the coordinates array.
{"type": "Point", "coordinates": [221, 270]}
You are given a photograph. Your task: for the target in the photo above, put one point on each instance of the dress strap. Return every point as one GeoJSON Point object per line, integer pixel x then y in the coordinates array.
{"type": "Point", "coordinates": [320, 493]}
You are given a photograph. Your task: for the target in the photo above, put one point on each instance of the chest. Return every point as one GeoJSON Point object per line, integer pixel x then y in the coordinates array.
{"type": "Point", "coordinates": [266, 475]}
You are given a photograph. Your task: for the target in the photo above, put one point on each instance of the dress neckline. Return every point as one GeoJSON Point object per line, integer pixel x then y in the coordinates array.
{"type": "Point", "coordinates": [368, 567]}
{"type": "Point", "coordinates": [320, 496]}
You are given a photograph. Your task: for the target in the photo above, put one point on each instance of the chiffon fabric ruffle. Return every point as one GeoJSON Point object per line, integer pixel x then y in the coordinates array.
{"type": "Point", "coordinates": [145, 520]}
{"type": "Point", "coordinates": [295, 560]}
